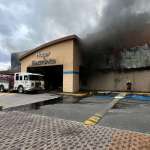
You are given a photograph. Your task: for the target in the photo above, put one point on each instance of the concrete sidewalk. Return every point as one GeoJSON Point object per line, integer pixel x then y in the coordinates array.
{"type": "Point", "coordinates": [10, 100]}
{"type": "Point", "coordinates": [25, 131]}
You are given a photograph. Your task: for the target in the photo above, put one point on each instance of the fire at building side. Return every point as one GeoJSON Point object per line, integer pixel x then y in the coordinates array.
{"type": "Point", "coordinates": [116, 51]}
{"type": "Point", "coordinates": [68, 65]}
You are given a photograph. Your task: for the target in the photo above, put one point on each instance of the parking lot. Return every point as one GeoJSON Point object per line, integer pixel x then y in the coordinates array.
{"type": "Point", "coordinates": [128, 114]}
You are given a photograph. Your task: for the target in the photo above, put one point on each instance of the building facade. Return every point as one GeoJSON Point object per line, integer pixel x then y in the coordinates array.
{"type": "Point", "coordinates": [61, 63]}
{"type": "Point", "coordinates": [117, 81]}
{"type": "Point", "coordinates": [58, 60]}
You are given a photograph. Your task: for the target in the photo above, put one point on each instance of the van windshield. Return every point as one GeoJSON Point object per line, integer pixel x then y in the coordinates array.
{"type": "Point", "coordinates": [35, 77]}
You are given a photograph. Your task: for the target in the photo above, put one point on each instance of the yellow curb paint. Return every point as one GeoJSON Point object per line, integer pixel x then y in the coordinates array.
{"type": "Point", "coordinates": [97, 117]}
{"type": "Point", "coordinates": [93, 120]}
{"type": "Point", "coordinates": [88, 123]}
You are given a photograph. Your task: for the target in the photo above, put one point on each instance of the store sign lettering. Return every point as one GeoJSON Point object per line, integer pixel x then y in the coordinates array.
{"type": "Point", "coordinates": [45, 60]}
{"type": "Point", "coordinates": [43, 54]}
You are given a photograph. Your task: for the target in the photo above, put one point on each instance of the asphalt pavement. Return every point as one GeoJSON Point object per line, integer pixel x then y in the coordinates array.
{"type": "Point", "coordinates": [75, 112]}
{"type": "Point", "coordinates": [135, 116]}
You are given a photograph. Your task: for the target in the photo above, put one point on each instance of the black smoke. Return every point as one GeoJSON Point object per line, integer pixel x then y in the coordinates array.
{"type": "Point", "coordinates": [121, 25]}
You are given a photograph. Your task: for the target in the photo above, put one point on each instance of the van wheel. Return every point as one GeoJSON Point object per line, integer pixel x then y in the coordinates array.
{"type": "Point", "coordinates": [20, 89]}
{"type": "Point", "coordinates": [2, 88]}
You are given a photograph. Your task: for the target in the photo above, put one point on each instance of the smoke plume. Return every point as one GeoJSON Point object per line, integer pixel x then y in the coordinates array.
{"type": "Point", "coordinates": [123, 24]}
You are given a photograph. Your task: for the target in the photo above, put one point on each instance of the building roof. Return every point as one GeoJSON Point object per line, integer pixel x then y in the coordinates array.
{"type": "Point", "coordinates": [71, 37]}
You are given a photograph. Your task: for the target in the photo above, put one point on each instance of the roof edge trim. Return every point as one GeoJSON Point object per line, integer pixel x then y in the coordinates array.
{"type": "Point", "coordinates": [60, 40]}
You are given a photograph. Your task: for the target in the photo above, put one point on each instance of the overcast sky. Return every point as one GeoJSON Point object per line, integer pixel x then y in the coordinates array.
{"type": "Point", "coordinates": [27, 23]}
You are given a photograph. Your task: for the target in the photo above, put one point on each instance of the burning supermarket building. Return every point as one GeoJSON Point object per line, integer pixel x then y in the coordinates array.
{"type": "Point", "coordinates": [133, 65]}
{"type": "Point", "coordinates": [118, 50]}
{"type": "Point", "coordinates": [70, 66]}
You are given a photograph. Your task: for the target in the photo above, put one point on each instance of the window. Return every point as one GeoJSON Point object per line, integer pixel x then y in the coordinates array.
{"type": "Point", "coordinates": [20, 77]}
{"type": "Point", "coordinates": [17, 77]}
{"type": "Point", "coordinates": [25, 77]}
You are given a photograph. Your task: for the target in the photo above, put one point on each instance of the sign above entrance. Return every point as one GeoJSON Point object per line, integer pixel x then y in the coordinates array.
{"type": "Point", "coordinates": [43, 54]}
{"type": "Point", "coordinates": [43, 62]}
{"type": "Point", "coordinates": [45, 59]}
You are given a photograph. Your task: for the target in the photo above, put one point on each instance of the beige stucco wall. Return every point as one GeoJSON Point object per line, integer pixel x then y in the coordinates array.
{"type": "Point", "coordinates": [65, 54]}
{"type": "Point", "coordinates": [62, 52]}
{"type": "Point", "coordinates": [116, 81]}
{"type": "Point", "coordinates": [70, 80]}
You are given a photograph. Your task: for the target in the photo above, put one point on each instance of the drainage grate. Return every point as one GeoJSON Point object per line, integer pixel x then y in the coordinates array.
{"type": "Point", "coordinates": [25, 131]}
